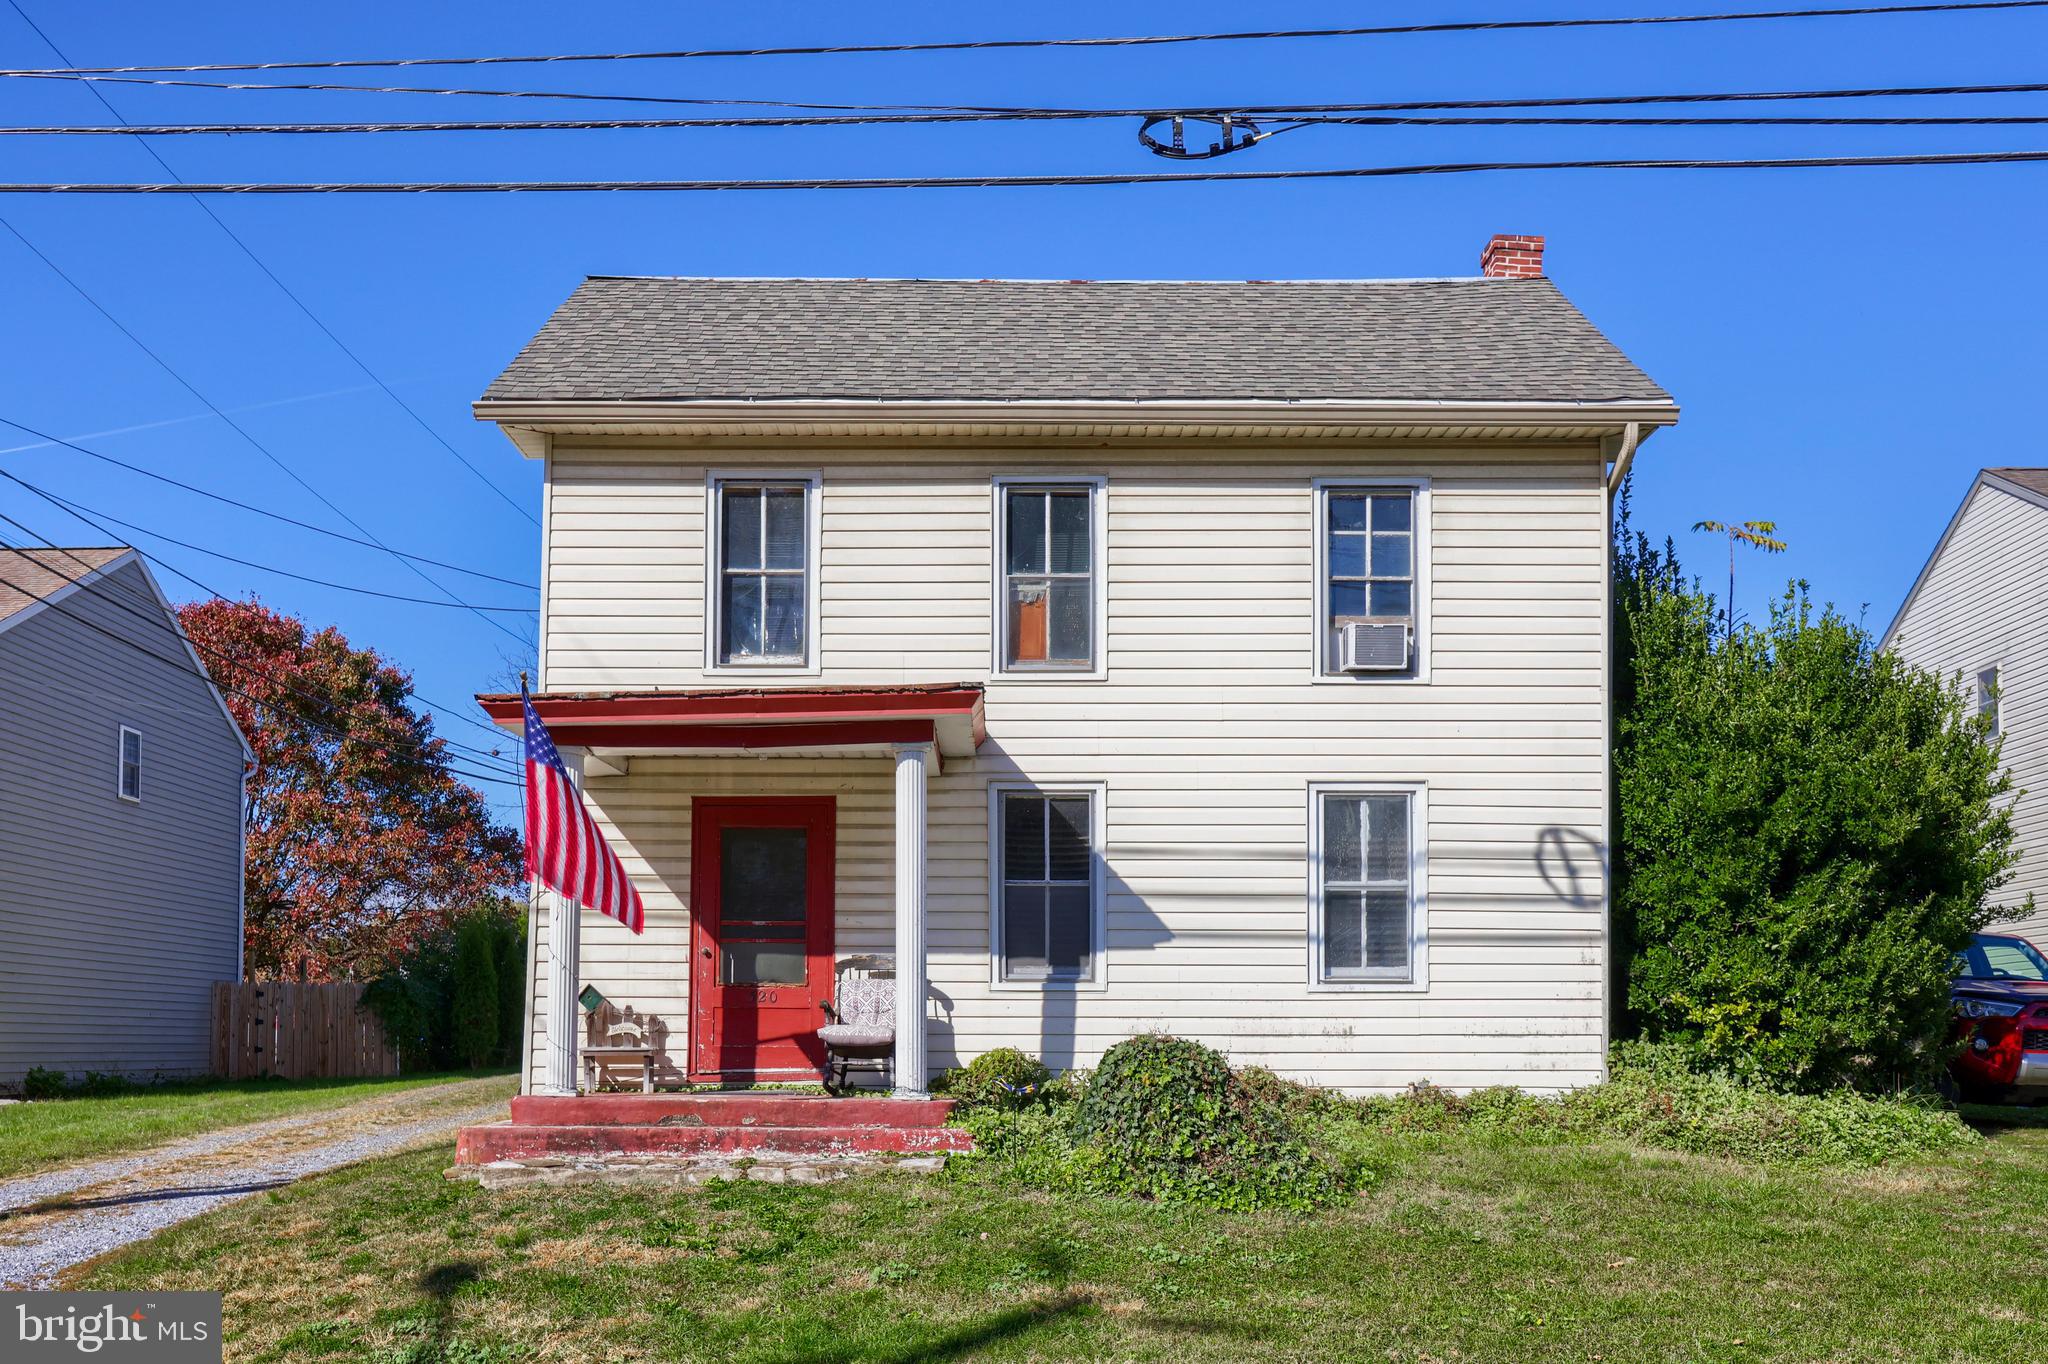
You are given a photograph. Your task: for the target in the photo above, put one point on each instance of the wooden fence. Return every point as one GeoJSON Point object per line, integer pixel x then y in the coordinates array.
{"type": "Point", "coordinates": [296, 1031]}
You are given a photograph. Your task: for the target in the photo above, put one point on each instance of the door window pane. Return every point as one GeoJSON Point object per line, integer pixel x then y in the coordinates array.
{"type": "Point", "coordinates": [761, 963]}
{"type": "Point", "coordinates": [763, 876]}
{"type": "Point", "coordinates": [1365, 898]}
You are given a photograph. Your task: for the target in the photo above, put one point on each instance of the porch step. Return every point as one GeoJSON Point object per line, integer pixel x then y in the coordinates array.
{"type": "Point", "coordinates": [529, 1141]}
{"type": "Point", "coordinates": [745, 1110]}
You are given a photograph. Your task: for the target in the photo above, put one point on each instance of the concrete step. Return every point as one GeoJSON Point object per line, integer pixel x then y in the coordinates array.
{"type": "Point", "coordinates": [526, 1141]}
{"type": "Point", "coordinates": [727, 1110]}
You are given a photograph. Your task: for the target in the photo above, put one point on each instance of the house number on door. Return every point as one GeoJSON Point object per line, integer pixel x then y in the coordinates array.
{"type": "Point", "coordinates": [764, 996]}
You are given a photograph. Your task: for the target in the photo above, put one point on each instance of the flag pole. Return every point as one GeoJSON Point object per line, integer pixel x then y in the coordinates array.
{"type": "Point", "coordinates": [564, 948]}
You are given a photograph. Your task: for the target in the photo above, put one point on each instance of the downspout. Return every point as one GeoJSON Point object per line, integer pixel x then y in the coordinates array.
{"type": "Point", "coordinates": [1624, 455]}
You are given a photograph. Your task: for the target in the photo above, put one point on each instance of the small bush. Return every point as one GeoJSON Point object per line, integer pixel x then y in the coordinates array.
{"type": "Point", "coordinates": [99, 1084]}
{"type": "Point", "coordinates": [1003, 1078]}
{"type": "Point", "coordinates": [1168, 1120]}
{"type": "Point", "coordinates": [42, 1083]}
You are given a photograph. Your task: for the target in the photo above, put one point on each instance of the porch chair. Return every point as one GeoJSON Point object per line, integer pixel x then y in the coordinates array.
{"type": "Point", "coordinates": [612, 1035]}
{"type": "Point", "coordinates": [862, 1030]}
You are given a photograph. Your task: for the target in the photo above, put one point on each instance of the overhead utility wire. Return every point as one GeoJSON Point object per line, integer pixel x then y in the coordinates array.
{"type": "Point", "coordinates": [1030, 181]}
{"type": "Point", "coordinates": [90, 589]}
{"type": "Point", "coordinates": [997, 44]}
{"type": "Point", "coordinates": [72, 506]}
{"type": "Point", "coordinates": [968, 113]}
{"type": "Point", "coordinates": [459, 713]}
{"type": "Point", "coordinates": [288, 292]}
{"type": "Point", "coordinates": [243, 432]}
{"type": "Point", "coordinates": [256, 510]}
{"type": "Point", "coordinates": [1296, 121]}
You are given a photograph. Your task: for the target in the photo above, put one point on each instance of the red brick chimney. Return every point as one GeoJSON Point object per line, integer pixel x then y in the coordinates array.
{"type": "Point", "coordinates": [1509, 256]}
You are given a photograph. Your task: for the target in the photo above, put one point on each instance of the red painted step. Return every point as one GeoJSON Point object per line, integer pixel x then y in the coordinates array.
{"type": "Point", "coordinates": [517, 1141]}
{"type": "Point", "coordinates": [727, 1110]}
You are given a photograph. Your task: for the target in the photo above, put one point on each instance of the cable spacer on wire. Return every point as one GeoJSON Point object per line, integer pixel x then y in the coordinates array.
{"type": "Point", "coordinates": [1238, 133]}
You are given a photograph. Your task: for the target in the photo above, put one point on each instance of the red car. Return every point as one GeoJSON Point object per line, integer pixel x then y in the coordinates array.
{"type": "Point", "coordinates": [2001, 1001]}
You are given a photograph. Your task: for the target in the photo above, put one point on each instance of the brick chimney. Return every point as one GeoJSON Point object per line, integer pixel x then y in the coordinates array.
{"type": "Point", "coordinates": [1509, 256]}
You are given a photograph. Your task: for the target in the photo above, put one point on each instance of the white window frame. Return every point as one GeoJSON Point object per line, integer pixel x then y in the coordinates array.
{"type": "Point", "coordinates": [121, 765]}
{"type": "Point", "coordinates": [1320, 664]}
{"type": "Point", "coordinates": [1993, 702]}
{"type": "Point", "coordinates": [715, 481]}
{"type": "Point", "coordinates": [1098, 821]}
{"type": "Point", "coordinates": [1098, 558]}
{"type": "Point", "coordinates": [1417, 981]}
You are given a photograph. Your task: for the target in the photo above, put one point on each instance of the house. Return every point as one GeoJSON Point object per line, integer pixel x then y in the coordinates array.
{"type": "Point", "coordinates": [1221, 658]}
{"type": "Point", "coordinates": [120, 823]}
{"type": "Point", "coordinates": [1974, 614]}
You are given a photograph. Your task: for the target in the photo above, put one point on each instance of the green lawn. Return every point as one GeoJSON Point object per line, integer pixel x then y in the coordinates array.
{"type": "Point", "coordinates": [50, 1132]}
{"type": "Point", "coordinates": [1467, 1251]}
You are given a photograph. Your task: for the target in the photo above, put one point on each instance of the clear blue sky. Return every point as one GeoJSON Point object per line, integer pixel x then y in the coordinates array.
{"type": "Point", "coordinates": [1849, 345]}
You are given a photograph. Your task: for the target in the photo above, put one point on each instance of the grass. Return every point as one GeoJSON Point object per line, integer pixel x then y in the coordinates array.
{"type": "Point", "coordinates": [35, 1136]}
{"type": "Point", "coordinates": [1471, 1248]}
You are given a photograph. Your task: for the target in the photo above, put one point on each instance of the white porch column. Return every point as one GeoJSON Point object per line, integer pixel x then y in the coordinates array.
{"type": "Point", "coordinates": [565, 946]}
{"type": "Point", "coordinates": [911, 762]}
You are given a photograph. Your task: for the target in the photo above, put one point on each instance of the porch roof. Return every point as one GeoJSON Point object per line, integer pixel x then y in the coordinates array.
{"type": "Point", "coordinates": [752, 719]}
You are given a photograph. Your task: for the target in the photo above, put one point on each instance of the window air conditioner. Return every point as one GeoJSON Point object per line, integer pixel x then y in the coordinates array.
{"type": "Point", "coordinates": [1364, 647]}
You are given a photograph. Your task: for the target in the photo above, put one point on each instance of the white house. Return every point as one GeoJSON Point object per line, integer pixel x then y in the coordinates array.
{"type": "Point", "coordinates": [1220, 658]}
{"type": "Point", "coordinates": [1975, 613]}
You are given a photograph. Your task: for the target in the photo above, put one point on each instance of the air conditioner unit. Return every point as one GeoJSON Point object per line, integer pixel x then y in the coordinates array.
{"type": "Point", "coordinates": [1364, 647]}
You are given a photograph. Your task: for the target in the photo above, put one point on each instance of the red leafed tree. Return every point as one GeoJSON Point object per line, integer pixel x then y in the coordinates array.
{"type": "Point", "coordinates": [357, 844]}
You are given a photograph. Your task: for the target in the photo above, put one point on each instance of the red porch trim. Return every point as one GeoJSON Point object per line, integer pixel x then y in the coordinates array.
{"type": "Point", "coordinates": [743, 736]}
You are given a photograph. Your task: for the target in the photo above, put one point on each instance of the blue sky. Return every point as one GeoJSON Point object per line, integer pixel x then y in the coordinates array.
{"type": "Point", "coordinates": [1849, 345]}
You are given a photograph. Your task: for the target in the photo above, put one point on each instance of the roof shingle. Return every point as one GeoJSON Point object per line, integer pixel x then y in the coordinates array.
{"type": "Point", "coordinates": [27, 575]}
{"type": "Point", "coordinates": [1457, 340]}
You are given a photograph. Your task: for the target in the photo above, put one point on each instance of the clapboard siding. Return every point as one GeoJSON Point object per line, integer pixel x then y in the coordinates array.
{"type": "Point", "coordinates": [1206, 733]}
{"type": "Point", "coordinates": [119, 916]}
{"type": "Point", "coordinates": [1980, 604]}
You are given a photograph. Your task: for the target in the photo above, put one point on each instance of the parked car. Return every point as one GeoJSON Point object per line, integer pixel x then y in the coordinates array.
{"type": "Point", "coordinates": [2001, 1001]}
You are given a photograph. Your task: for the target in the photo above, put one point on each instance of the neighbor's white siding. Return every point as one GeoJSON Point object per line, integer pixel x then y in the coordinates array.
{"type": "Point", "coordinates": [1207, 733]}
{"type": "Point", "coordinates": [1981, 604]}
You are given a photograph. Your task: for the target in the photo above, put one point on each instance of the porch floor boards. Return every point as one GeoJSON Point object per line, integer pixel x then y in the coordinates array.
{"type": "Point", "coordinates": [683, 1126]}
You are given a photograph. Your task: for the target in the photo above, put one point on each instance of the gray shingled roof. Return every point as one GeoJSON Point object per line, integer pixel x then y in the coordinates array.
{"type": "Point", "coordinates": [2033, 480]}
{"type": "Point", "coordinates": [27, 575]}
{"type": "Point", "coordinates": [1455, 340]}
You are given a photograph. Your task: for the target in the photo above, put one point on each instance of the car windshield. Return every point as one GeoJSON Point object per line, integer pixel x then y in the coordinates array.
{"type": "Point", "coordinates": [1998, 958]}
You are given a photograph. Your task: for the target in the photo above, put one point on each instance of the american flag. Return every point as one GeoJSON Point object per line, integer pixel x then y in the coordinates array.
{"type": "Point", "coordinates": [563, 846]}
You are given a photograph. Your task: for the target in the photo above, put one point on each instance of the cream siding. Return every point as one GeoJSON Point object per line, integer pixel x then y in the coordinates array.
{"type": "Point", "coordinates": [1207, 732]}
{"type": "Point", "coordinates": [1979, 604]}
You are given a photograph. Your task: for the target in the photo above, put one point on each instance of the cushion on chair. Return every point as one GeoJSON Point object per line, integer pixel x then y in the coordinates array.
{"type": "Point", "coordinates": [856, 1035]}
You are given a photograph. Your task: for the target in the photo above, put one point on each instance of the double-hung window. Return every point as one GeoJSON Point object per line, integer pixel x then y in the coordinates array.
{"type": "Point", "coordinates": [1366, 892]}
{"type": "Point", "coordinates": [1987, 697]}
{"type": "Point", "coordinates": [763, 590]}
{"type": "Point", "coordinates": [1048, 577]}
{"type": "Point", "coordinates": [1370, 570]}
{"type": "Point", "coordinates": [1047, 884]}
{"type": "Point", "coordinates": [128, 770]}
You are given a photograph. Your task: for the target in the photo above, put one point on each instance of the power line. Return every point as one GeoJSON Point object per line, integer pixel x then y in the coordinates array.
{"type": "Point", "coordinates": [256, 510]}
{"type": "Point", "coordinates": [71, 506]}
{"type": "Point", "coordinates": [211, 591]}
{"type": "Point", "coordinates": [141, 648]}
{"type": "Point", "coordinates": [288, 292]}
{"type": "Point", "coordinates": [1030, 181]}
{"type": "Point", "coordinates": [994, 44]}
{"type": "Point", "coordinates": [1310, 120]}
{"type": "Point", "coordinates": [242, 431]}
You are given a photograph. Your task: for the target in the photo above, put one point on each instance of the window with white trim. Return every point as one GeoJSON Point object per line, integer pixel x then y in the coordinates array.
{"type": "Point", "coordinates": [762, 593]}
{"type": "Point", "coordinates": [1047, 884]}
{"type": "Point", "coordinates": [1987, 697]}
{"type": "Point", "coordinates": [1048, 582]}
{"type": "Point", "coordinates": [128, 774]}
{"type": "Point", "coordinates": [1363, 893]}
{"type": "Point", "coordinates": [1370, 549]}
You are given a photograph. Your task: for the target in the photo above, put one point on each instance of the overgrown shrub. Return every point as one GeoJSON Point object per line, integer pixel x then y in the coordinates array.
{"type": "Point", "coordinates": [475, 1002]}
{"type": "Point", "coordinates": [1003, 1078]}
{"type": "Point", "coordinates": [415, 1001]}
{"type": "Point", "coordinates": [1168, 1120]}
{"type": "Point", "coordinates": [42, 1083]}
{"type": "Point", "coordinates": [1805, 831]}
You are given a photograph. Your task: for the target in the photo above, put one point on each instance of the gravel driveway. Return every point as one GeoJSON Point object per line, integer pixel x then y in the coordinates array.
{"type": "Point", "coordinates": [60, 1218]}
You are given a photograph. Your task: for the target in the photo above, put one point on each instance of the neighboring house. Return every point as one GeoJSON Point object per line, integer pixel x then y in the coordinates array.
{"type": "Point", "coordinates": [1008, 627]}
{"type": "Point", "coordinates": [1976, 613]}
{"type": "Point", "coordinates": [120, 823]}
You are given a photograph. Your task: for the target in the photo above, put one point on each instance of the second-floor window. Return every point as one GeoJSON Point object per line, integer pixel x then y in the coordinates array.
{"type": "Point", "coordinates": [763, 575]}
{"type": "Point", "coordinates": [1048, 579]}
{"type": "Point", "coordinates": [1987, 697]}
{"type": "Point", "coordinates": [128, 779]}
{"type": "Point", "coordinates": [1370, 554]}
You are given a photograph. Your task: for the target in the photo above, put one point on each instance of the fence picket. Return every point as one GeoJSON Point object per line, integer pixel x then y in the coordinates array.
{"type": "Point", "coordinates": [297, 1031]}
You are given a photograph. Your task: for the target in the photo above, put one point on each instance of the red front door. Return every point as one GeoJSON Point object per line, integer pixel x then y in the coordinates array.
{"type": "Point", "coordinates": [760, 936]}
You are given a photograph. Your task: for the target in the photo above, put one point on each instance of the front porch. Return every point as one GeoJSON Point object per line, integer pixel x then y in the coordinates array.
{"type": "Point", "coordinates": [770, 825]}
